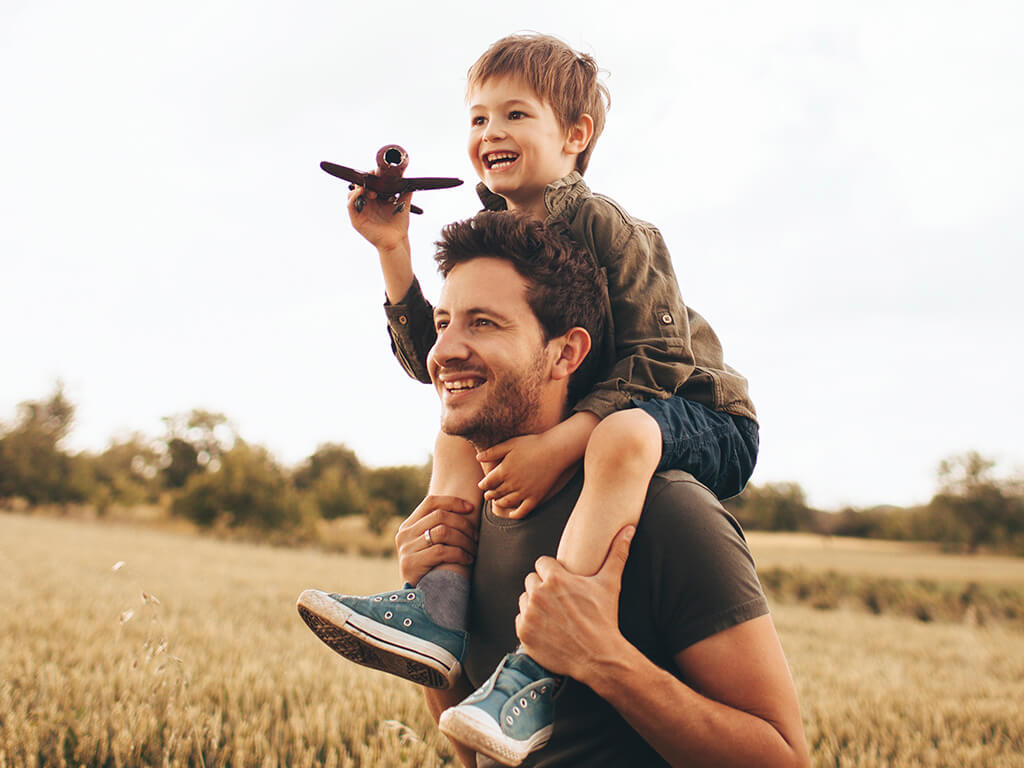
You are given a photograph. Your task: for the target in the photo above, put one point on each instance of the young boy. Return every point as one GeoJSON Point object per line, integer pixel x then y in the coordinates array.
{"type": "Point", "coordinates": [666, 399]}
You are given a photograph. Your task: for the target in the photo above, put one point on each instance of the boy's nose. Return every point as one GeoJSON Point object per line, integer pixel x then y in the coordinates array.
{"type": "Point", "coordinates": [494, 131]}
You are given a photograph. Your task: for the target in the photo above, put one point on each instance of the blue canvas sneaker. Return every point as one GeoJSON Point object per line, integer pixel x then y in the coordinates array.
{"type": "Point", "coordinates": [391, 631]}
{"type": "Point", "coordinates": [510, 715]}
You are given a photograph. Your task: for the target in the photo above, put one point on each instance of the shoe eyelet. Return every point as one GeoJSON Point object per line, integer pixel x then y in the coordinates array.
{"type": "Point", "coordinates": [407, 623]}
{"type": "Point", "coordinates": [411, 596]}
{"type": "Point", "coordinates": [544, 689]}
{"type": "Point", "coordinates": [509, 720]}
{"type": "Point", "coordinates": [533, 695]}
{"type": "Point", "coordinates": [378, 599]}
{"type": "Point", "coordinates": [522, 703]}
{"type": "Point", "coordinates": [388, 614]}
{"type": "Point", "coordinates": [392, 598]}
{"type": "Point", "coordinates": [515, 710]}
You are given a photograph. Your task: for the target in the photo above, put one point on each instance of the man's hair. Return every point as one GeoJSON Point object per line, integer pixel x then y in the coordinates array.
{"type": "Point", "coordinates": [566, 288]}
{"type": "Point", "coordinates": [559, 75]}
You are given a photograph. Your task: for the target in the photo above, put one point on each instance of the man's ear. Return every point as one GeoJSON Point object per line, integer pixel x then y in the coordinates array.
{"type": "Point", "coordinates": [572, 348]}
{"type": "Point", "coordinates": [580, 135]}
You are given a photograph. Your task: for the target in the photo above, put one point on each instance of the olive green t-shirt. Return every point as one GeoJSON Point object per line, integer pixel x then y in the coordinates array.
{"type": "Point", "coordinates": [689, 576]}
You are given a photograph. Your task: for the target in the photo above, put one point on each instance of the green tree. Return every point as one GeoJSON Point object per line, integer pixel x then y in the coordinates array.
{"type": "Point", "coordinates": [773, 507]}
{"type": "Point", "coordinates": [129, 468]}
{"type": "Point", "coordinates": [402, 487]}
{"type": "Point", "coordinates": [32, 462]}
{"type": "Point", "coordinates": [336, 481]}
{"type": "Point", "coordinates": [974, 508]}
{"type": "Point", "coordinates": [246, 487]}
{"type": "Point", "coordinates": [192, 443]}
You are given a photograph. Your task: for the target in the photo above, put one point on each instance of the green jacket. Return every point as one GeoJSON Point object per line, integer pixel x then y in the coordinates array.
{"type": "Point", "coordinates": [661, 347]}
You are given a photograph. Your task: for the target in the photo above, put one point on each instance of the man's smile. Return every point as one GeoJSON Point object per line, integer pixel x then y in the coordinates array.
{"type": "Point", "coordinates": [455, 384]}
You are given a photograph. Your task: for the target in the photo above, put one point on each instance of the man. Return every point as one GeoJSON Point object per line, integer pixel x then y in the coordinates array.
{"type": "Point", "coordinates": [684, 667]}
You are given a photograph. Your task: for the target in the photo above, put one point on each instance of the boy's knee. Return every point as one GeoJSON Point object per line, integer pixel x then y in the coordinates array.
{"type": "Point", "coordinates": [626, 436]}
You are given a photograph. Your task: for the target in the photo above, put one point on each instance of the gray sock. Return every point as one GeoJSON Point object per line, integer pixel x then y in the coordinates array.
{"type": "Point", "coordinates": [446, 595]}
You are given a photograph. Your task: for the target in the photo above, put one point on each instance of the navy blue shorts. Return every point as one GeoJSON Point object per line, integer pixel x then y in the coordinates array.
{"type": "Point", "coordinates": [719, 449]}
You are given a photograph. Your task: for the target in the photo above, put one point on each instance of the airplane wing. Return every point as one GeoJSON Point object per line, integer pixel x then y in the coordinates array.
{"type": "Point", "coordinates": [348, 174]}
{"type": "Point", "coordinates": [427, 182]}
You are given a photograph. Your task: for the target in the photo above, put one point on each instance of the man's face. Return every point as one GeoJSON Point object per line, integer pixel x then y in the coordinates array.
{"type": "Point", "coordinates": [515, 142]}
{"type": "Point", "coordinates": [490, 363]}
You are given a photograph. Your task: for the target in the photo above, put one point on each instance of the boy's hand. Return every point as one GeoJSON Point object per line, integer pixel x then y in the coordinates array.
{"type": "Point", "coordinates": [381, 222]}
{"type": "Point", "coordinates": [520, 473]}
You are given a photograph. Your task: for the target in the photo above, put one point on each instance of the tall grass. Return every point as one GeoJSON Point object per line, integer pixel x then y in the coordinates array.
{"type": "Point", "coordinates": [191, 653]}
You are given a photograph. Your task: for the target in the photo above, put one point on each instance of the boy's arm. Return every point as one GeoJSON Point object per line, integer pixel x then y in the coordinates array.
{"type": "Point", "coordinates": [521, 472]}
{"type": "Point", "coordinates": [410, 316]}
{"type": "Point", "coordinates": [411, 327]}
{"type": "Point", "coordinates": [386, 227]}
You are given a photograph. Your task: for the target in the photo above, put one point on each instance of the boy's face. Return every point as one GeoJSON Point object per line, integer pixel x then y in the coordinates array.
{"type": "Point", "coordinates": [516, 143]}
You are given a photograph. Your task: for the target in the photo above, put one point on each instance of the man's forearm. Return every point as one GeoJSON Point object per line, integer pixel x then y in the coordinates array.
{"type": "Point", "coordinates": [438, 701]}
{"type": "Point", "coordinates": [685, 727]}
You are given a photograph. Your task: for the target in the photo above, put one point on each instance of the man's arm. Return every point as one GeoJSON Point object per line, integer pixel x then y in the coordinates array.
{"type": "Point", "coordinates": [438, 701]}
{"type": "Point", "coordinates": [453, 542]}
{"type": "Point", "coordinates": [738, 707]}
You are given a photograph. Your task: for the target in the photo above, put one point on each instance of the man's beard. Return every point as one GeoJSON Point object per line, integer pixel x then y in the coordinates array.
{"type": "Point", "coordinates": [507, 411]}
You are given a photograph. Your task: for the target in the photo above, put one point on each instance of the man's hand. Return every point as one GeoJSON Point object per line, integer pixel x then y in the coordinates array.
{"type": "Point", "coordinates": [521, 472]}
{"type": "Point", "coordinates": [453, 536]}
{"type": "Point", "coordinates": [565, 620]}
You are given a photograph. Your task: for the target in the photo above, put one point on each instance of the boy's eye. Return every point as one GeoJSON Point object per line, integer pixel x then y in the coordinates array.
{"type": "Point", "coordinates": [516, 114]}
{"type": "Point", "coordinates": [477, 120]}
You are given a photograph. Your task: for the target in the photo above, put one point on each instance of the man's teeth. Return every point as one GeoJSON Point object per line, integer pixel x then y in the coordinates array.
{"type": "Point", "coordinates": [458, 386]}
{"type": "Point", "coordinates": [498, 160]}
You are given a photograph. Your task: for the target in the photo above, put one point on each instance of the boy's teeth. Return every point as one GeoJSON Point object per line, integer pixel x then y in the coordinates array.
{"type": "Point", "coordinates": [501, 159]}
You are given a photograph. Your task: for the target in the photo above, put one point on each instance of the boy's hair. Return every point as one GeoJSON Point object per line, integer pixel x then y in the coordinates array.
{"type": "Point", "coordinates": [565, 79]}
{"type": "Point", "coordinates": [565, 284]}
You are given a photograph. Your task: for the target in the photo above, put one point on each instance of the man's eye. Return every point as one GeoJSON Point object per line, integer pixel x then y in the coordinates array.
{"type": "Point", "coordinates": [440, 325]}
{"type": "Point", "coordinates": [482, 321]}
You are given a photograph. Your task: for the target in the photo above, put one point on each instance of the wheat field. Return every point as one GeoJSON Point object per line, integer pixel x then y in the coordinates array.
{"type": "Point", "coordinates": [124, 646]}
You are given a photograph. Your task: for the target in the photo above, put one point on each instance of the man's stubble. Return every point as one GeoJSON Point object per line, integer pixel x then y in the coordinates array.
{"type": "Point", "coordinates": [508, 411]}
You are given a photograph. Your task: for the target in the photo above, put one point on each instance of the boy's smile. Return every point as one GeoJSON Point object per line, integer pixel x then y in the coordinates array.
{"type": "Point", "coordinates": [516, 143]}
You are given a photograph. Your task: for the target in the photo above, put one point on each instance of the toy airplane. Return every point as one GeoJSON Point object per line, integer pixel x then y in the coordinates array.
{"type": "Point", "coordinates": [388, 182]}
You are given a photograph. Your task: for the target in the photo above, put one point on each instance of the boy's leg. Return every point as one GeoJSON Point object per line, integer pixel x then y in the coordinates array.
{"type": "Point", "coordinates": [455, 472]}
{"type": "Point", "coordinates": [717, 448]}
{"type": "Point", "coordinates": [417, 633]}
{"type": "Point", "coordinates": [621, 457]}
{"type": "Point", "coordinates": [512, 714]}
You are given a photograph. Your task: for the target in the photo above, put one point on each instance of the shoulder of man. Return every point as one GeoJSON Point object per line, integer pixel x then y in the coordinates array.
{"type": "Point", "coordinates": [690, 553]}
{"type": "Point", "coordinates": [679, 495]}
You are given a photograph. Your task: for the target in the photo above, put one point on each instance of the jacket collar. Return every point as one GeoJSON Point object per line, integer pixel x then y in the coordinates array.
{"type": "Point", "coordinates": [562, 198]}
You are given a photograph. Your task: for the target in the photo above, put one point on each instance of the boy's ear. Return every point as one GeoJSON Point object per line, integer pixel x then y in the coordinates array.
{"type": "Point", "coordinates": [571, 349]}
{"type": "Point", "coordinates": [580, 135]}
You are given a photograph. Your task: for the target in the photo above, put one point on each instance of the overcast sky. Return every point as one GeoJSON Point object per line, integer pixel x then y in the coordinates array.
{"type": "Point", "coordinates": [840, 185]}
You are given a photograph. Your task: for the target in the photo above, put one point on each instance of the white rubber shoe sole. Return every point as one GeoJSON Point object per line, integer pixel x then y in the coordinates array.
{"type": "Point", "coordinates": [474, 728]}
{"type": "Point", "coordinates": [375, 645]}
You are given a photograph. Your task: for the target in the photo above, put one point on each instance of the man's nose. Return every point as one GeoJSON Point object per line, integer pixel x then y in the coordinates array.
{"type": "Point", "coordinates": [451, 344]}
